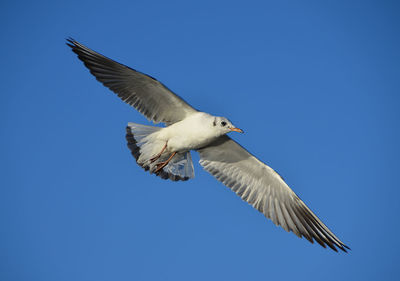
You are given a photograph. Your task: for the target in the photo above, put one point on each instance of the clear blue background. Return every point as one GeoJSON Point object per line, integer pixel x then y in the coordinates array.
{"type": "Point", "coordinates": [315, 86]}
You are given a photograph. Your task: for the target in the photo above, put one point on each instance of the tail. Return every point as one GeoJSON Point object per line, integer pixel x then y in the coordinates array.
{"type": "Point", "coordinates": [144, 146]}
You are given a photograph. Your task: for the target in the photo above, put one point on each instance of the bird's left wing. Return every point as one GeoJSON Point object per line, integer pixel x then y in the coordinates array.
{"type": "Point", "coordinates": [146, 94]}
{"type": "Point", "coordinates": [260, 186]}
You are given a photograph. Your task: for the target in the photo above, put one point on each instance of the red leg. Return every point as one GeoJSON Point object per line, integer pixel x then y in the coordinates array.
{"type": "Point", "coordinates": [165, 163]}
{"type": "Point", "coordinates": [159, 154]}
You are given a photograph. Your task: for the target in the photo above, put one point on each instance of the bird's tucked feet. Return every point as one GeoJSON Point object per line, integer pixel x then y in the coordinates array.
{"type": "Point", "coordinates": [163, 164]}
{"type": "Point", "coordinates": [159, 154]}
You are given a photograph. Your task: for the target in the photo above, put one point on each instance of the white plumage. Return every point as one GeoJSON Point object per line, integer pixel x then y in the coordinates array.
{"type": "Point", "coordinates": [166, 151]}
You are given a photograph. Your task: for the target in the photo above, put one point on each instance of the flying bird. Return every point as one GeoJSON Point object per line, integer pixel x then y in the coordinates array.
{"type": "Point", "coordinates": [165, 151]}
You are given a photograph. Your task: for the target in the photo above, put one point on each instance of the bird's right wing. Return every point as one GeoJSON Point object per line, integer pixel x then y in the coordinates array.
{"type": "Point", "coordinates": [146, 94]}
{"type": "Point", "coordinates": [260, 186]}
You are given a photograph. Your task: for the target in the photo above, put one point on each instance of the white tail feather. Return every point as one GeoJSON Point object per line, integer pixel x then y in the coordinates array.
{"type": "Point", "coordinates": [144, 144]}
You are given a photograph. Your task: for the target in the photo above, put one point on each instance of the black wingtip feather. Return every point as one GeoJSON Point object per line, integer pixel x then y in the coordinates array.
{"type": "Point", "coordinates": [70, 42]}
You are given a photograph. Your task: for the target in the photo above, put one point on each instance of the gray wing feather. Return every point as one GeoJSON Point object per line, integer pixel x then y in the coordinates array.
{"type": "Point", "coordinates": [146, 94]}
{"type": "Point", "coordinates": [263, 188]}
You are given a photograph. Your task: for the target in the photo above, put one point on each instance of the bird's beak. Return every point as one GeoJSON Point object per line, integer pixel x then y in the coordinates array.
{"type": "Point", "coordinates": [237, 130]}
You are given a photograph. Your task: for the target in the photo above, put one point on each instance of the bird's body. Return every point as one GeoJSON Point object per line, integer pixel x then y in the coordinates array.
{"type": "Point", "coordinates": [165, 151]}
{"type": "Point", "coordinates": [155, 148]}
{"type": "Point", "coordinates": [191, 133]}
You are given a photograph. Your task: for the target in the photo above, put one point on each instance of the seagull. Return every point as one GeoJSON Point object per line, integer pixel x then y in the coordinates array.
{"type": "Point", "coordinates": [165, 151]}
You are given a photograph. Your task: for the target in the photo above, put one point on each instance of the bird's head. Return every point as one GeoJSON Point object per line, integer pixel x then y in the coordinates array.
{"type": "Point", "coordinates": [224, 126]}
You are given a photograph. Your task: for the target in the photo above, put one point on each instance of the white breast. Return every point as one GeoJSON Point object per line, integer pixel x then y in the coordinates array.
{"type": "Point", "coordinates": [193, 132]}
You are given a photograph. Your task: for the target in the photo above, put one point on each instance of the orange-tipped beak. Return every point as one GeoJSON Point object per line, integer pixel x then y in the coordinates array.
{"type": "Point", "coordinates": [237, 130]}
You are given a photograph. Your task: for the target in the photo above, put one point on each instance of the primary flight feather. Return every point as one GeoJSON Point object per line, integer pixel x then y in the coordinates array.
{"type": "Point", "coordinates": [166, 151]}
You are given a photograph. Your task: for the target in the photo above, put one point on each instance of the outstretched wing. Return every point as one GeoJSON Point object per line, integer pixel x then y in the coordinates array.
{"type": "Point", "coordinates": [265, 190]}
{"type": "Point", "coordinates": [146, 94]}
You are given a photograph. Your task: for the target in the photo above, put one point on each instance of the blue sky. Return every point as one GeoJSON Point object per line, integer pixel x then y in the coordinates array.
{"type": "Point", "coordinates": [314, 85]}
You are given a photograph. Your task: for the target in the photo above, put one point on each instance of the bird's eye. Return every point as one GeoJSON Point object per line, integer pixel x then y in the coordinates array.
{"type": "Point", "coordinates": [223, 123]}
